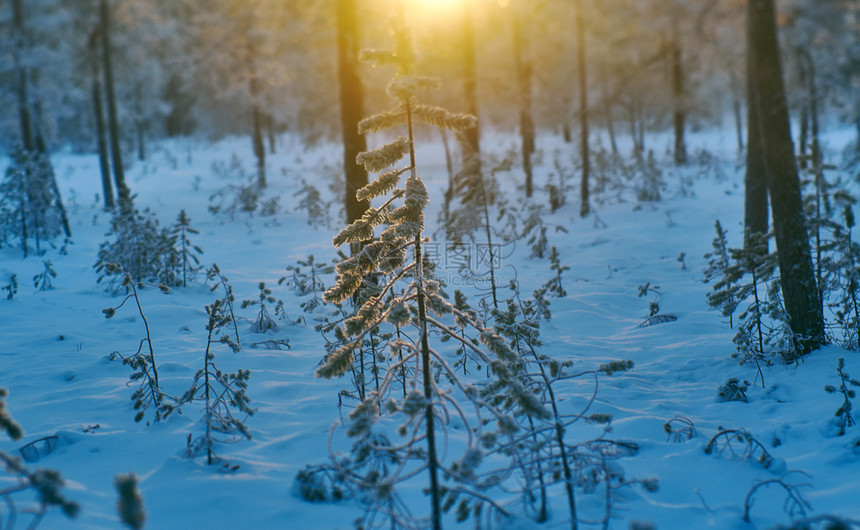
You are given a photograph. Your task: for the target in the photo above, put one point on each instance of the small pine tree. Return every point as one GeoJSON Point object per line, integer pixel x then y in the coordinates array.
{"type": "Point", "coordinates": [264, 321]}
{"type": "Point", "coordinates": [463, 353]}
{"type": "Point", "coordinates": [842, 271]}
{"type": "Point", "coordinates": [477, 194]}
{"type": "Point", "coordinates": [29, 202]}
{"type": "Point", "coordinates": [748, 280]}
{"type": "Point", "coordinates": [392, 269]}
{"type": "Point", "coordinates": [46, 483]}
{"type": "Point", "coordinates": [148, 394]}
{"type": "Point", "coordinates": [7, 423]}
{"type": "Point", "coordinates": [43, 280]}
{"type": "Point", "coordinates": [130, 503]}
{"type": "Point", "coordinates": [548, 457]}
{"type": "Point", "coordinates": [11, 288]}
{"type": "Point", "coordinates": [186, 255]}
{"type": "Point", "coordinates": [306, 279]}
{"type": "Point", "coordinates": [214, 273]}
{"type": "Point", "coordinates": [843, 418]}
{"type": "Point", "coordinates": [554, 286]}
{"type": "Point", "coordinates": [222, 394]}
{"type": "Point", "coordinates": [137, 244]}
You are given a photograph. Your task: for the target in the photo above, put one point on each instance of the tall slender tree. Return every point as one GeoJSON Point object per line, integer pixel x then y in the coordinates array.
{"type": "Point", "coordinates": [679, 114]}
{"type": "Point", "coordinates": [110, 93]}
{"type": "Point", "coordinates": [797, 278]}
{"type": "Point", "coordinates": [471, 137]}
{"type": "Point", "coordinates": [29, 109]}
{"type": "Point", "coordinates": [351, 107]}
{"type": "Point", "coordinates": [99, 118]}
{"type": "Point", "coordinates": [755, 180]}
{"type": "Point", "coordinates": [25, 117]}
{"type": "Point", "coordinates": [256, 118]}
{"type": "Point", "coordinates": [523, 67]}
{"type": "Point", "coordinates": [584, 208]}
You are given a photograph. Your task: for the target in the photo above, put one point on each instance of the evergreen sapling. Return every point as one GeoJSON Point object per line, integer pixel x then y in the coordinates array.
{"type": "Point", "coordinates": [843, 418]}
{"type": "Point", "coordinates": [43, 280]}
{"type": "Point", "coordinates": [148, 394]}
{"type": "Point", "coordinates": [30, 205]}
{"type": "Point", "coordinates": [306, 279]}
{"type": "Point", "coordinates": [186, 253]}
{"type": "Point", "coordinates": [222, 394]}
{"type": "Point", "coordinates": [214, 274]}
{"type": "Point", "coordinates": [130, 503]}
{"type": "Point", "coordinates": [748, 280]}
{"type": "Point", "coordinates": [263, 322]}
{"type": "Point", "coordinates": [11, 288]}
{"type": "Point", "coordinates": [403, 296]}
{"type": "Point", "coordinates": [843, 272]}
{"type": "Point", "coordinates": [46, 483]}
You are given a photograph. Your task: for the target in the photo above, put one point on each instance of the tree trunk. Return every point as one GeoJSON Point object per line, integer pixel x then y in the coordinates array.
{"type": "Point", "coordinates": [449, 166]}
{"type": "Point", "coordinates": [816, 163]}
{"type": "Point", "coordinates": [679, 114]}
{"type": "Point", "coordinates": [795, 263]}
{"type": "Point", "coordinates": [803, 141]}
{"type": "Point", "coordinates": [257, 117]}
{"type": "Point", "coordinates": [470, 89]}
{"type": "Point", "coordinates": [99, 118]}
{"type": "Point", "coordinates": [755, 179]}
{"type": "Point", "coordinates": [271, 133]}
{"type": "Point", "coordinates": [610, 127]}
{"type": "Point", "coordinates": [351, 107]}
{"type": "Point", "coordinates": [257, 139]}
{"type": "Point", "coordinates": [22, 88]}
{"type": "Point", "coordinates": [104, 157]}
{"type": "Point", "coordinates": [31, 134]}
{"type": "Point", "coordinates": [523, 69]}
{"type": "Point", "coordinates": [139, 122]}
{"type": "Point", "coordinates": [110, 92]}
{"type": "Point", "coordinates": [140, 125]}
{"type": "Point", "coordinates": [584, 208]}
{"type": "Point", "coordinates": [736, 109]}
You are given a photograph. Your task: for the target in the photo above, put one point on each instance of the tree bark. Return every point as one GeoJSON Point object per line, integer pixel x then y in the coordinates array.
{"type": "Point", "coordinates": [679, 114]}
{"type": "Point", "coordinates": [351, 107]}
{"type": "Point", "coordinates": [25, 117]}
{"type": "Point", "coordinates": [271, 132]}
{"type": "Point", "coordinates": [31, 135]}
{"type": "Point", "coordinates": [99, 118]}
{"type": "Point", "coordinates": [795, 263]}
{"type": "Point", "coordinates": [256, 120]}
{"type": "Point", "coordinates": [523, 68]}
{"type": "Point", "coordinates": [736, 109]}
{"type": "Point", "coordinates": [803, 141]}
{"type": "Point", "coordinates": [470, 90]}
{"type": "Point", "coordinates": [140, 126]}
{"type": "Point", "coordinates": [110, 92]}
{"type": "Point", "coordinates": [755, 179]}
{"type": "Point", "coordinates": [257, 139]}
{"type": "Point", "coordinates": [610, 126]}
{"type": "Point", "coordinates": [584, 208]}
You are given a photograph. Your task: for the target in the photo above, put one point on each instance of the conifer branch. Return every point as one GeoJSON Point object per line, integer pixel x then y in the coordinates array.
{"type": "Point", "coordinates": [381, 185]}
{"type": "Point", "coordinates": [385, 156]}
{"type": "Point", "coordinates": [406, 87]}
{"type": "Point", "coordinates": [382, 121]}
{"type": "Point", "coordinates": [441, 118]}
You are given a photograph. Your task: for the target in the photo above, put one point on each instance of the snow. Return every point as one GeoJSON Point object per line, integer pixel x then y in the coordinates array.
{"type": "Point", "coordinates": [56, 346]}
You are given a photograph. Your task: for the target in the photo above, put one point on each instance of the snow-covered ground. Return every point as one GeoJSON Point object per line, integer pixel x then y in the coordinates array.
{"type": "Point", "coordinates": [55, 347]}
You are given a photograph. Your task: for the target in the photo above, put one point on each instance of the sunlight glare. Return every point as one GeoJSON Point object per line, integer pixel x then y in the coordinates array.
{"type": "Point", "coordinates": [436, 8]}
